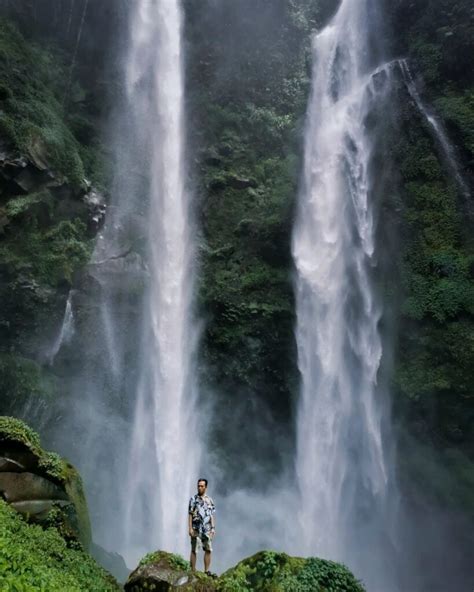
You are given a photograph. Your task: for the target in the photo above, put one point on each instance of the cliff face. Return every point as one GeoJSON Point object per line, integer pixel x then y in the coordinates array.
{"type": "Point", "coordinates": [248, 83]}
{"type": "Point", "coordinates": [248, 68]}
{"type": "Point", "coordinates": [434, 348]}
{"type": "Point", "coordinates": [49, 211]}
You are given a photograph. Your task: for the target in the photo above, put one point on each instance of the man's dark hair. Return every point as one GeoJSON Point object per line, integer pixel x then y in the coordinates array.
{"type": "Point", "coordinates": [205, 481]}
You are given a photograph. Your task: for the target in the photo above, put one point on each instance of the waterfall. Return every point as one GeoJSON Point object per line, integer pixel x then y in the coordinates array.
{"type": "Point", "coordinates": [164, 454]}
{"type": "Point", "coordinates": [342, 466]}
{"type": "Point", "coordinates": [66, 332]}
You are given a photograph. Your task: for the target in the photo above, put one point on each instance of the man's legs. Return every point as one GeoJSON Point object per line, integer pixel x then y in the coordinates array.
{"type": "Point", "coordinates": [192, 559]}
{"type": "Point", "coordinates": [207, 546]}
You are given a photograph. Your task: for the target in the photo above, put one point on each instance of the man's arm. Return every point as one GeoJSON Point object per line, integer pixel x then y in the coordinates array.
{"type": "Point", "coordinates": [213, 519]}
{"type": "Point", "coordinates": [190, 517]}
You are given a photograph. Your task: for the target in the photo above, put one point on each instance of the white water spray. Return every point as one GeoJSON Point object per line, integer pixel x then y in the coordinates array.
{"type": "Point", "coordinates": [341, 465]}
{"type": "Point", "coordinates": [165, 447]}
{"type": "Point", "coordinates": [66, 332]}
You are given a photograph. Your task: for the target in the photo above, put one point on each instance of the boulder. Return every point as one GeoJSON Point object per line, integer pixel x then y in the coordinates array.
{"type": "Point", "coordinates": [39, 484]}
{"type": "Point", "coordinates": [266, 571]}
{"type": "Point", "coordinates": [269, 571]}
{"type": "Point", "coordinates": [163, 572]}
{"type": "Point", "coordinates": [20, 487]}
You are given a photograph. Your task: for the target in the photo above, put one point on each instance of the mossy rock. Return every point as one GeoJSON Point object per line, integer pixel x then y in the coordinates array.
{"type": "Point", "coordinates": [267, 571]}
{"type": "Point", "coordinates": [163, 572]}
{"type": "Point", "coordinates": [36, 558]}
{"type": "Point", "coordinates": [22, 457]}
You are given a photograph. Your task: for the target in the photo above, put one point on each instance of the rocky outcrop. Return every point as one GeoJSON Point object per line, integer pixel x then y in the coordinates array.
{"type": "Point", "coordinates": [30, 175]}
{"type": "Point", "coordinates": [42, 486]}
{"type": "Point", "coordinates": [266, 571]}
{"type": "Point", "coordinates": [163, 572]}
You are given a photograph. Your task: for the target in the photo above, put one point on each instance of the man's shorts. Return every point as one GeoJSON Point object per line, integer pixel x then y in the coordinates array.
{"type": "Point", "coordinates": [205, 541]}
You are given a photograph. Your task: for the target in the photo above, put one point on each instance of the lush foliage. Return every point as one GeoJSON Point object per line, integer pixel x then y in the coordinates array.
{"type": "Point", "coordinates": [30, 95]}
{"type": "Point", "coordinates": [33, 558]}
{"type": "Point", "coordinates": [41, 111]}
{"type": "Point", "coordinates": [434, 373]}
{"type": "Point", "coordinates": [268, 571]}
{"type": "Point", "coordinates": [247, 109]}
{"type": "Point", "coordinates": [52, 255]}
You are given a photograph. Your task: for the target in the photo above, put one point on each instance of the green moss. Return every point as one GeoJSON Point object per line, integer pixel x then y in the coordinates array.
{"type": "Point", "coordinates": [435, 298]}
{"type": "Point", "coordinates": [32, 114]}
{"type": "Point", "coordinates": [49, 256]}
{"type": "Point", "coordinates": [23, 203]}
{"type": "Point", "coordinates": [458, 110]}
{"type": "Point", "coordinates": [175, 561]}
{"type": "Point", "coordinates": [268, 571]}
{"type": "Point", "coordinates": [15, 430]}
{"type": "Point", "coordinates": [75, 490]}
{"type": "Point", "coordinates": [21, 378]}
{"type": "Point", "coordinates": [32, 558]}
{"type": "Point", "coordinates": [55, 468]}
{"type": "Point", "coordinates": [245, 284]}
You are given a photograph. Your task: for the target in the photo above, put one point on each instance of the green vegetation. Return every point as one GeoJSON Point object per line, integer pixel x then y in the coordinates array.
{"type": "Point", "coordinates": [247, 120]}
{"type": "Point", "coordinates": [176, 561]}
{"type": "Point", "coordinates": [45, 229]}
{"type": "Point", "coordinates": [434, 373]}
{"type": "Point", "coordinates": [55, 468]}
{"type": "Point", "coordinates": [33, 558]}
{"type": "Point", "coordinates": [268, 571]}
{"type": "Point", "coordinates": [32, 111]}
{"type": "Point", "coordinates": [15, 430]}
{"type": "Point", "coordinates": [50, 256]}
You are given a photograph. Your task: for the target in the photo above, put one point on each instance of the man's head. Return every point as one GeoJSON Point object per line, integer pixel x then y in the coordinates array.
{"type": "Point", "coordinates": [202, 486]}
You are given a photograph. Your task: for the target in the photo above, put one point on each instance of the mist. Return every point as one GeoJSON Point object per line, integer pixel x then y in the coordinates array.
{"type": "Point", "coordinates": [249, 314]}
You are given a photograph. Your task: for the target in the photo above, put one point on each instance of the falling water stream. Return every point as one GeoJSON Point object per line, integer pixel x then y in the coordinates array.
{"type": "Point", "coordinates": [66, 331]}
{"type": "Point", "coordinates": [341, 463]}
{"type": "Point", "coordinates": [447, 149]}
{"type": "Point", "coordinates": [164, 449]}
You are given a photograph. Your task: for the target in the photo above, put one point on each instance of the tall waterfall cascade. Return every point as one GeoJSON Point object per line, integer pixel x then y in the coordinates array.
{"type": "Point", "coordinates": [342, 464]}
{"type": "Point", "coordinates": [164, 451]}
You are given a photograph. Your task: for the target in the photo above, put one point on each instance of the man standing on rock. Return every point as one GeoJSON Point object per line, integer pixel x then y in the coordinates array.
{"type": "Point", "coordinates": [201, 524]}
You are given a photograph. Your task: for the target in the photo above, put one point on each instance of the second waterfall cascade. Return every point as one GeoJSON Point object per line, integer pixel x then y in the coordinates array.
{"type": "Point", "coordinates": [342, 463]}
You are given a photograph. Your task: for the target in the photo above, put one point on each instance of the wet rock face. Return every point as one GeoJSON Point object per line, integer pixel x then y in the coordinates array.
{"type": "Point", "coordinates": [22, 175]}
{"type": "Point", "coordinates": [41, 216]}
{"type": "Point", "coordinates": [40, 485]}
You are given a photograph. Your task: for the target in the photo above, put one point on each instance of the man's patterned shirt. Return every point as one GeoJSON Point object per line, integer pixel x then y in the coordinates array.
{"type": "Point", "coordinates": [201, 510]}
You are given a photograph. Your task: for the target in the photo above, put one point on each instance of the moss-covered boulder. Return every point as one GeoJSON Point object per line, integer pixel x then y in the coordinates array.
{"type": "Point", "coordinates": [41, 485]}
{"type": "Point", "coordinates": [266, 571]}
{"type": "Point", "coordinates": [163, 572]}
{"type": "Point", "coordinates": [35, 558]}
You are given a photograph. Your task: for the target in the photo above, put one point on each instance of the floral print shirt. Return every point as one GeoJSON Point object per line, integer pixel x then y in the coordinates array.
{"type": "Point", "coordinates": [201, 510]}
